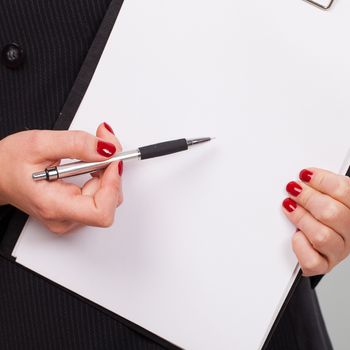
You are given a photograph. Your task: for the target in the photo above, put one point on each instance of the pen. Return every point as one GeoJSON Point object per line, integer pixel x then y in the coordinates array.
{"type": "Point", "coordinates": [146, 152]}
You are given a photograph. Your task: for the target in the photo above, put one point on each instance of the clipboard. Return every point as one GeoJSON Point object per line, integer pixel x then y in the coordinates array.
{"type": "Point", "coordinates": [63, 123]}
{"type": "Point", "coordinates": [320, 5]}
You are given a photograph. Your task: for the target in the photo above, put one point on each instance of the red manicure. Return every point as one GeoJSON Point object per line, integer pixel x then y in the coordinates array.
{"type": "Point", "coordinates": [120, 168]}
{"type": "Point", "coordinates": [294, 188]}
{"type": "Point", "coordinates": [108, 127]}
{"type": "Point", "coordinates": [289, 205]}
{"type": "Point", "coordinates": [306, 175]}
{"type": "Point", "coordinates": [106, 149]}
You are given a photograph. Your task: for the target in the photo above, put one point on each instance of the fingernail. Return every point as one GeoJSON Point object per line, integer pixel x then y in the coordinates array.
{"type": "Point", "coordinates": [120, 168]}
{"type": "Point", "coordinates": [108, 127]}
{"type": "Point", "coordinates": [294, 188]}
{"type": "Point", "coordinates": [106, 149]}
{"type": "Point", "coordinates": [289, 204]}
{"type": "Point", "coordinates": [306, 175]}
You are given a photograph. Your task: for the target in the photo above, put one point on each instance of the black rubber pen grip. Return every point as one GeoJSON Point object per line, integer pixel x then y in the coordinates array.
{"type": "Point", "coordinates": [164, 148]}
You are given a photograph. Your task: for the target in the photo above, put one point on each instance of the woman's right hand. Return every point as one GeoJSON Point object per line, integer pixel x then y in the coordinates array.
{"type": "Point", "coordinates": [59, 205]}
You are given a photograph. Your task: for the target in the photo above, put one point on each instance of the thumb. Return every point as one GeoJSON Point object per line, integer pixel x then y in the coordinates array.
{"type": "Point", "coordinates": [76, 144]}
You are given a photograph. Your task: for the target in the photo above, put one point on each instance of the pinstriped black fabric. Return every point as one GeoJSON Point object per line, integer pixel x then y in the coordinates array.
{"type": "Point", "coordinates": [35, 315]}
{"type": "Point", "coordinates": [302, 326]}
{"type": "Point", "coordinates": [56, 36]}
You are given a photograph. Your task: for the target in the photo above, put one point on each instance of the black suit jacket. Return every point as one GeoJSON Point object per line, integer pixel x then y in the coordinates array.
{"type": "Point", "coordinates": [35, 313]}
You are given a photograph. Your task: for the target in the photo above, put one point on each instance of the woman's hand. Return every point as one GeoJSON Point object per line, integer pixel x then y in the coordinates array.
{"type": "Point", "coordinates": [319, 206]}
{"type": "Point", "coordinates": [59, 205]}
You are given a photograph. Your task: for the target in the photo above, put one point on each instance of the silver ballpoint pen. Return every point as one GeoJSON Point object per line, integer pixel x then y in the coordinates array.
{"type": "Point", "coordinates": [146, 152]}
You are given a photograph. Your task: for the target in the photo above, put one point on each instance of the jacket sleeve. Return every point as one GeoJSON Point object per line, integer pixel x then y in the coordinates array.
{"type": "Point", "coordinates": [314, 280]}
{"type": "Point", "coordinates": [5, 215]}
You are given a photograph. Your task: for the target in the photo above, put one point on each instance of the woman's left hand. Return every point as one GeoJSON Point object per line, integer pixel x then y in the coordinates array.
{"type": "Point", "coordinates": [319, 206]}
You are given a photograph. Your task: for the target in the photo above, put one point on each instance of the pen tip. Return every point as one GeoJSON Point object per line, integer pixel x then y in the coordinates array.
{"type": "Point", "coordinates": [192, 142]}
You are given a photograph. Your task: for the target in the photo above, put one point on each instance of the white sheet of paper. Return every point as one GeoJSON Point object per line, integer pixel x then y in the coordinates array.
{"type": "Point", "coordinates": [200, 252]}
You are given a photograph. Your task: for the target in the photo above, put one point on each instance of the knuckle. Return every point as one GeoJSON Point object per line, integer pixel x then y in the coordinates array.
{"type": "Point", "coordinates": [34, 139]}
{"type": "Point", "coordinates": [322, 238]}
{"type": "Point", "coordinates": [344, 190]}
{"type": "Point", "coordinates": [340, 188]}
{"type": "Point", "coordinates": [105, 220]}
{"type": "Point", "coordinates": [313, 267]}
{"type": "Point", "coordinates": [46, 213]}
{"type": "Point", "coordinates": [313, 264]}
{"type": "Point", "coordinates": [296, 241]}
{"type": "Point", "coordinates": [330, 213]}
{"type": "Point", "coordinates": [79, 139]}
{"type": "Point", "coordinates": [56, 228]}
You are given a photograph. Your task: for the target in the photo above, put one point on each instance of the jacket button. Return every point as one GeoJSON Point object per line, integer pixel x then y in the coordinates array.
{"type": "Point", "coordinates": [12, 56]}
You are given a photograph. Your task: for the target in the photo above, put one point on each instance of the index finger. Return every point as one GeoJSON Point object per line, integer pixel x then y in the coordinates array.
{"type": "Point", "coordinates": [334, 185]}
{"type": "Point", "coordinates": [74, 144]}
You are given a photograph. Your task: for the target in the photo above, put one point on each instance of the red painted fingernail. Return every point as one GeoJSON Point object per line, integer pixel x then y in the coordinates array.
{"type": "Point", "coordinates": [294, 188]}
{"type": "Point", "coordinates": [289, 204]}
{"type": "Point", "coordinates": [120, 168]}
{"type": "Point", "coordinates": [106, 149]}
{"type": "Point", "coordinates": [108, 127]}
{"type": "Point", "coordinates": [306, 175]}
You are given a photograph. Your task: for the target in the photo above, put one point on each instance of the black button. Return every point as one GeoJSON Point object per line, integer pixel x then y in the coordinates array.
{"type": "Point", "coordinates": [12, 56]}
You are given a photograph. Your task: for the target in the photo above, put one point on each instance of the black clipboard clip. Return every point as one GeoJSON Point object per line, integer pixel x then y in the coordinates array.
{"type": "Point", "coordinates": [321, 6]}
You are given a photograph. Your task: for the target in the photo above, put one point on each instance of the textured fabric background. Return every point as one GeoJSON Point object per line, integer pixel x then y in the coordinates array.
{"type": "Point", "coordinates": [56, 36]}
{"type": "Point", "coordinates": [35, 313]}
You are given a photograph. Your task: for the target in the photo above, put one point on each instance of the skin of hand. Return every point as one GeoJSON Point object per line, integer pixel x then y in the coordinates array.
{"type": "Point", "coordinates": [319, 206]}
{"type": "Point", "coordinates": [59, 205]}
